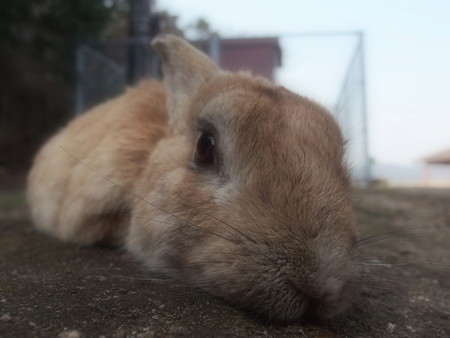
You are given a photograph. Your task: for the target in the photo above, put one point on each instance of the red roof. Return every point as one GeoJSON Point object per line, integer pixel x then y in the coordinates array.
{"type": "Point", "coordinates": [439, 158]}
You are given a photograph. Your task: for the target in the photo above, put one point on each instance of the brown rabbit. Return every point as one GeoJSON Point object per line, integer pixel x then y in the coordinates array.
{"type": "Point", "coordinates": [238, 187]}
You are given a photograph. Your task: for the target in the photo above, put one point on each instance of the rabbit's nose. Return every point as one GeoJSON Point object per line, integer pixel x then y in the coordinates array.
{"type": "Point", "coordinates": [331, 289]}
{"type": "Point", "coordinates": [323, 291]}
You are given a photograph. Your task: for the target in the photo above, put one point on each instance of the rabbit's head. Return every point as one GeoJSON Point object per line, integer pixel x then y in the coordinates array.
{"type": "Point", "coordinates": [248, 197]}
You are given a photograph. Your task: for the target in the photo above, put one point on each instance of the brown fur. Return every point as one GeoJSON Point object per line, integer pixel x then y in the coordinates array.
{"type": "Point", "coordinates": [116, 138]}
{"type": "Point", "coordinates": [269, 226]}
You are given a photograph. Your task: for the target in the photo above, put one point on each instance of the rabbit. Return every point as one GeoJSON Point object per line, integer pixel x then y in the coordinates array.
{"type": "Point", "coordinates": [223, 180]}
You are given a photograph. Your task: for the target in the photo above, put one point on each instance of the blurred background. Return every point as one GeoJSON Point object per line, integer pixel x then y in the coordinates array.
{"type": "Point", "coordinates": [382, 68]}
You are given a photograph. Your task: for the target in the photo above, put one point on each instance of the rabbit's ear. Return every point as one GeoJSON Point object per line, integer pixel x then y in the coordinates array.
{"type": "Point", "coordinates": [185, 69]}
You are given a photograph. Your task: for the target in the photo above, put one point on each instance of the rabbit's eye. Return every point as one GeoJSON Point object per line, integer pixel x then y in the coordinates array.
{"type": "Point", "coordinates": [205, 153]}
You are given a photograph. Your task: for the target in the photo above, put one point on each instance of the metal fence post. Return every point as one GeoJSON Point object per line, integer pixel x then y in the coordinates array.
{"type": "Point", "coordinates": [79, 71]}
{"type": "Point", "coordinates": [368, 163]}
{"type": "Point", "coordinates": [214, 48]}
{"type": "Point", "coordinates": [139, 26]}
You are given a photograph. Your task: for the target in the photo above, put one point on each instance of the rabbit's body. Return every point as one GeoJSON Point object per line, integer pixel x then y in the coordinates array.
{"type": "Point", "coordinates": [76, 204]}
{"type": "Point", "coordinates": [240, 188]}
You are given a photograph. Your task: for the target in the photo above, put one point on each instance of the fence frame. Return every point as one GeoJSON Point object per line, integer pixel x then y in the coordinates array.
{"type": "Point", "coordinates": [213, 47]}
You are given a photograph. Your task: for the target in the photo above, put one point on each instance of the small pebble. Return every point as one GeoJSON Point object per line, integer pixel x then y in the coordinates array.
{"type": "Point", "coordinates": [391, 328]}
{"type": "Point", "coordinates": [5, 317]}
{"type": "Point", "coordinates": [69, 334]}
{"type": "Point", "coordinates": [410, 328]}
{"type": "Point", "coordinates": [420, 297]}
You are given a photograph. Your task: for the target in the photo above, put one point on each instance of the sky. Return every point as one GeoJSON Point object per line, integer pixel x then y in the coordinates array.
{"type": "Point", "coordinates": [407, 58]}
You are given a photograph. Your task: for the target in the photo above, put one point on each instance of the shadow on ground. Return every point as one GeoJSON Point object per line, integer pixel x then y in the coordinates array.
{"type": "Point", "coordinates": [49, 288]}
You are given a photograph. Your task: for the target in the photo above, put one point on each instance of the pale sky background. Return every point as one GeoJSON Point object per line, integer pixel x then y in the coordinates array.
{"type": "Point", "coordinates": [407, 60]}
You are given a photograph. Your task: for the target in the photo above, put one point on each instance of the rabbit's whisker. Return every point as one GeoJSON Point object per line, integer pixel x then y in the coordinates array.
{"type": "Point", "coordinates": [246, 217]}
{"type": "Point", "coordinates": [144, 200]}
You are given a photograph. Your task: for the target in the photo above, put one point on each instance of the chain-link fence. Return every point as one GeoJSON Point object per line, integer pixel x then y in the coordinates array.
{"type": "Point", "coordinates": [351, 112]}
{"type": "Point", "coordinates": [328, 67]}
{"type": "Point", "coordinates": [103, 69]}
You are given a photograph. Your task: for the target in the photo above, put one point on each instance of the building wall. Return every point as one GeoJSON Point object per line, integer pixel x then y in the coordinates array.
{"type": "Point", "coordinates": [259, 56]}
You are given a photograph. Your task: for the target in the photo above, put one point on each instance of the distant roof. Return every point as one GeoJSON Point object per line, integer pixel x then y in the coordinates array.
{"type": "Point", "coordinates": [439, 158]}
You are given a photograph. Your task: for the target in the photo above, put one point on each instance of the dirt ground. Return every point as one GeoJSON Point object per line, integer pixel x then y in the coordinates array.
{"type": "Point", "coordinates": [49, 288]}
